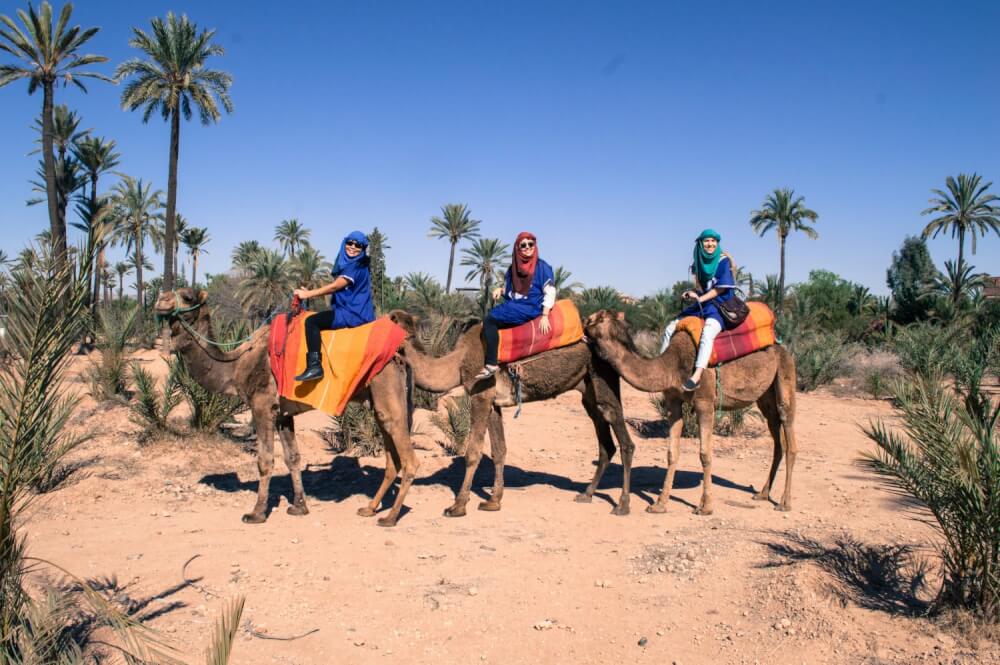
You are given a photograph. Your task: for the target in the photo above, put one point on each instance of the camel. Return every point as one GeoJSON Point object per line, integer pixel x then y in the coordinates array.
{"type": "Point", "coordinates": [766, 377]}
{"type": "Point", "coordinates": [246, 372]}
{"type": "Point", "coordinates": [542, 377]}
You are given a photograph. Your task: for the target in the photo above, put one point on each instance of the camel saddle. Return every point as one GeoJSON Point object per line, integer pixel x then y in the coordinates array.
{"type": "Point", "coordinates": [527, 339]}
{"type": "Point", "coordinates": [755, 333]}
{"type": "Point", "coordinates": [351, 357]}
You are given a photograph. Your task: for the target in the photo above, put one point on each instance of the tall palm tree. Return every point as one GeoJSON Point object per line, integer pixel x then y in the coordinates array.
{"type": "Point", "coordinates": [66, 130]}
{"type": "Point", "coordinates": [861, 301]}
{"type": "Point", "coordinates": [195, 239]}
{"type": "Point", "coordinates": [267, 284]}
{"type": "Point", "coordinates": [291, 235]}
{"type": "Point", "coordinates": [244, 253]}
{"type": "Point", "coordinates": [173, 81]}
{"type": "Point", "coordinates": [487, 257]}
{"type": "Point", "coordinates": [564, 287]}
{"type": "Point", "coordinates": [310, 269]}
{"type": "Point", "coordinates": [123, 269]}
{"type": "Point", "coordinates": [783, 212]}
{"type": "Point", "coordinates": [455, 225]}
{"type": "Point", "coordinates": [49, 54]}
{"type": "Point", "coordinates": [378, 242]}
{"type": "Point", "coordinates": [964, 208]}
{"type": "Point", "coordinates": [96, 156]}
{"type": "Point", "coordinates": [138, 208]}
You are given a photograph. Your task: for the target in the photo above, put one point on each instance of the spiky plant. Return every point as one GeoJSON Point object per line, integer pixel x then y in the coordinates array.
{"type": "Point", "coordinates": [109, 375]}
{"type": "Point", "coordinates": [945, 456]}
{"type": "Point", "coordinates": [151, 406]}
{"type": "Point", "coordinates": [209, 410]}
{"type": "Point", "coordinates": [225, 633]}
{"type": "Point", "coordinates": [268, 283]}
{"type": "Point", "coordinates": [456, 424]}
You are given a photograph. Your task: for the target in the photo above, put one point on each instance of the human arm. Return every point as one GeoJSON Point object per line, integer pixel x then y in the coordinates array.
{"type": "Point", "coordinates": [548, 301]}
{"type": "Point", "coordinates": [338, 284]}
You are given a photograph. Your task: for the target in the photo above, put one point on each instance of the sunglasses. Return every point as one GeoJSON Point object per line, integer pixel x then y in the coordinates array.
{"type": "Point", "coordinates": [353, 243]}
{"type": "Point", "coordinates": [526, 245]}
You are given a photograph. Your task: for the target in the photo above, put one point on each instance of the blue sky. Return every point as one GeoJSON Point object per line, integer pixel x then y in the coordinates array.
{"type": "Point", "coordinates": [615, 131]}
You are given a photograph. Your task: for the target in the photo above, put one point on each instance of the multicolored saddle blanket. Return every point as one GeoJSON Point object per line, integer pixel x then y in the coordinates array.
{"type": "Point", "coordinates": [527, 340]}
{"type": "Point", "coordinates": [755, 333]}
{"type": "Point", "coordinates": [351, 357]}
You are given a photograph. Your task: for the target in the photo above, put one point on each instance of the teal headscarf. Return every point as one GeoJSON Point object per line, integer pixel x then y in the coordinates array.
{"type": "Point", "coordinates": [705, 264]}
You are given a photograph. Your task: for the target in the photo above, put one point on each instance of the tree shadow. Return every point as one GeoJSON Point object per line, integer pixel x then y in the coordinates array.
{"type": "Point", "coordinates": [887, 578]}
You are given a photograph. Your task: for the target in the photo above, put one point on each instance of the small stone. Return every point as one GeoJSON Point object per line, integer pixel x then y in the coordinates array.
{"type": "Point", "coordinates": [295, 541]}
{"type": "Point", "coordinates": [642, 641]}
{"type": "Point", "coordinates": [785, 623]}
{"type": "Point", "coordinates": [660, 633]}
{"type": "Point", "coordinates": [473, 591]}
{"type": "Point", "coordinates": [378, 589]}
{"type": "Point", "coordinates": [662, 569]}
{"type": "Point", "coordinates": [359, 643]}
{"type": "Point", "coordinates": [691, 555]}
{"type": "Point", "coordinates": [544, 624]}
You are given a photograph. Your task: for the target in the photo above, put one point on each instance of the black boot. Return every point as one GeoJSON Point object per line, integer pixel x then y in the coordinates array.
{"type": "Point", "coordinates": [314, 370]}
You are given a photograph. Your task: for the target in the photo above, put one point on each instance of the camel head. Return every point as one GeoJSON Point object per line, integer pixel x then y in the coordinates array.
{"type": "Point", "coordinates": [608, 326]}
{"type": "Point", "coordinates": [404, 320]}
{"type": "Point", "coordinates": [182, 304]}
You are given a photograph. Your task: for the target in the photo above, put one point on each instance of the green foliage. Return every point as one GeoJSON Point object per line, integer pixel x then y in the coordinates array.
{"type": "Point", "coordinates": [151, 406]}
{"type": "Point", "coordinates": [945, 456]}
{"type": "Point", "coordinates": [730, 424]}
{"type": "Point", "coordinates": [225, 633]}
{"type": "Point", "coordinates": [267, 284]}
{"type": "Point", "coordinates": [820, 357]}
{"type": "Point", "coordinates": [456, 425]}
{"type": "Point", "coordinates": [910, 275]}
{"type": "Point", "coordinates": [928, 350]}
{"type": "Point", "coordinates": [598, 298]}
{"type": "Point", "coordinates": [441, 315]}
{"type": "Point", "coordinates": [356, 430]}
{"type": "Point", "coordinates": [208, 410]}
{"type": "Point", "coordinates": [291, 235]}
{"type": "Point", "coordinates": [108, 376]}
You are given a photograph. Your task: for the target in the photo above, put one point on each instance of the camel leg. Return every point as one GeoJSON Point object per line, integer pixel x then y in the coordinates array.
{"type": "Point", "coordinates": [388, 477]}
{"type": "Point", "coordinates": [388, 390]}
{"type": "Point", "coordinates": [263, 409]}
{"type": "Point", "coordinates": [769, 408]}
{"type": "Point", "coordinates": [613, 414]}
{"type": "Point", "coordinates": [293, 460]}
{"type": "Point", "coordinates": [482, 403]}
{"type": "Point", "coordinates": [786, 412]}
{"type": "Point", "coordinates": [605, 445]}
{"type": "Point", "coordinates": [706, 422]}
{"type": "Point", "coordinates": [675, 426]}
{"type": "Point", "coordinates": [498, 450]}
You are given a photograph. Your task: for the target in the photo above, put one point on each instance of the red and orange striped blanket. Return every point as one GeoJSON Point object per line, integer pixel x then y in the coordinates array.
{"type": "Point", "coordinates": [755, 333]}
{"type": "Point", "coordinates": [527, 340]}
{"type": "Point", "coordinates": [351, 357]}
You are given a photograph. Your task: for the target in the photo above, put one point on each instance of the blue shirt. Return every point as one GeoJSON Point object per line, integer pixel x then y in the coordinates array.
{"type": "Point", "coordinates": [353, 305]}
{"type": "Point", "coordinates": [516, 308]}
{"type": "Point", "coordinates": [724, 283]}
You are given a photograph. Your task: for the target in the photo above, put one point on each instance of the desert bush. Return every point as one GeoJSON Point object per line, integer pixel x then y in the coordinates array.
{"type": "Point", "coordinates": [873, 371]}
{"type": "Point", "coordinates": [730, 423]}
{"type": "Point", "coordinates": [456, 424]}
{"type": "Point", "coordinates": [820, 357]}
{"type": "Point", "coordinates": [208, 410]}
{"type": "Point", "coordinates": [356, 430]}
{"type": "Point", "coordinates": [927, 349]}
{"type": "Point", "coordinates": [108, 377]}
{"type": "Point", "coordinates": [151, 406]}
{"type": "Point", "coordinates": [945, 456]}
{"type": "Point", "coordinates": [425, 399]}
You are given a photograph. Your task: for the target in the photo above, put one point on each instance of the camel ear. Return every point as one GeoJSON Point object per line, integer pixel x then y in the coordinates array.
{"type": "Point", "coordinates": [621, 316]}
{"type": "Point", "coordinates": [202, 296]}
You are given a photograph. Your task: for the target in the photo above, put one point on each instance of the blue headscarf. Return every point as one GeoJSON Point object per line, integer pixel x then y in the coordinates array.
{"type": "Point", "coordinates": [343, 260]}
{"type": "Point", "coordinates": [705, 264]}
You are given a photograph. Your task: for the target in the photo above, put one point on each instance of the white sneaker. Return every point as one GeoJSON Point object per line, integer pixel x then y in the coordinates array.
{"type": "Point", "coordinates": [486, 372]}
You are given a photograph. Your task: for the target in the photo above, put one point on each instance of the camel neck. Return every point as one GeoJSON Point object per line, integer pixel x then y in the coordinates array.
{"type": "Point", "coordinates": [436, 374]}
{"type": "Point", "coordinates": [211, 367]}
{"type": "Point", "coordinates": [646, 374]}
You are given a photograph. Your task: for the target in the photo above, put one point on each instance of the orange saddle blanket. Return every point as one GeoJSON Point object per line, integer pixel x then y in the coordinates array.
{"type": "Point", "coordinates": [351, 357]}
{"type": "Point", "coordinates": [527, 340]}
{"type": "Point", "coordinates": [755, 333]}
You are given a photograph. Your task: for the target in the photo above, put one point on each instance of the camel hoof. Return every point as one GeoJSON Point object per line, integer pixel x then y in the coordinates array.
{"type": "Point", "coordinates": [454, 511]}
{"type": "Point", "coordinates": [783, 507]}
{"type": "Point", "coordinates": [297, 509]}
{"type": "Point", "coordinates": [387, 521]}
{"type": "Point", "coordinates": [489, 506]}
{"type": "Point", "coordinates": [583, 498]}
{"type": "Point", "coordinates": [366, 511]}
{"type": "Point", "coordinates": [762, 496]}
{"type": "Point", "coordinates": [703, 510]}
{"type": "Point", "coordinates": [254, 518]}
{"type": "Point", "coordinates": [620, 509]}
{"type": "Point", "coordinates": [657, 508]}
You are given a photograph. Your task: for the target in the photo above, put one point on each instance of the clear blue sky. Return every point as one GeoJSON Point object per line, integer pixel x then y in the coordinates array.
{"type": "Point", "coordinates": [615, 131]}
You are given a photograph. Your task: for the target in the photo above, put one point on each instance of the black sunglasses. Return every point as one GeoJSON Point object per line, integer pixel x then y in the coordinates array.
{"type": "Point", "coordinates": [526, 245]}
{"type": "Point", "coordinates": [353, 243]}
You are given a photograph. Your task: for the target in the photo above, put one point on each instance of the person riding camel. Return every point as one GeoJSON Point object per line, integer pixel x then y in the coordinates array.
{"type": "Point", "coordinates": [350, 306]}
{"type": "Point", "coordinates": [712, 273]}
{"type": "Point", "coordinates": [529, 292]}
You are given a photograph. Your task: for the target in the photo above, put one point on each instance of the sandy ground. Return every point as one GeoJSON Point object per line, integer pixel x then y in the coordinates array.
{"type": "Point", "coordinates": [544, 580]}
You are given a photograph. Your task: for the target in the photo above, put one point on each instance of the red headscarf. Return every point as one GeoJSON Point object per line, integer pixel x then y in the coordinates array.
{"type": "Point", "coordinates": [522, 270]}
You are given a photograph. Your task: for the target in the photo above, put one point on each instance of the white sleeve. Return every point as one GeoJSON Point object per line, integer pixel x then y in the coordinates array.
{"type": "Point", "coordinates": [549, 297]}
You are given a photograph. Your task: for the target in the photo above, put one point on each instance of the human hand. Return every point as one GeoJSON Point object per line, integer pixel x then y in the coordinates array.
{"type": "Point", "coordinates": [497, 292]}
{"type": "Point", "coordinates": [544, 326]}
{"type": "Point", "coordinates": [302, 294]}
{"type": "Point", "coordinates": [690, 295]}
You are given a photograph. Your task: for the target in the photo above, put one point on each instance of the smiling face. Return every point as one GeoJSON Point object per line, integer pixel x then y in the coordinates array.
{"type": "Point", "coordinates": [353, 248]}
{"type": "Point", "coordinates": [526, 247]}
{"type": "Point", "coordinates": [709, 245]}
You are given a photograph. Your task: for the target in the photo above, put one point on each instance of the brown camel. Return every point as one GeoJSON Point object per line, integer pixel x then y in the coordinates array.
{"type": "Point", "coordinates": [542, 377]}
{"type": "Point", "coordinates": [766, 377]}
{"type": "Point", "coordinates": [246, 372]}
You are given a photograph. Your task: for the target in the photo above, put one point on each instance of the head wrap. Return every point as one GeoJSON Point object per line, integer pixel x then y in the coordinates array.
{"type": "Point", "coordinates": [522, 268]}
{"type": "Point", "coordinates": [705, 264]}
{"type": "Point", "coordinates": [343, 260]}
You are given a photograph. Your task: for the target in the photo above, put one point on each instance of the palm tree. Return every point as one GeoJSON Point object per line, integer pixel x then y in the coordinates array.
{"type": "Point", "coordinates": [768, 291]}
{"type": "Point", "coordinates": [267, 284]}
{"type": "Point", "coordinates": [564, 287]}
{"type": "Point", "coordinates": [378, 242]}
{"type": "Point", "coordinates": [600, 297]}
{"type": "Point", "coordinates": [244, 253]}
{"type": "Point", "coordinates": [487, 258]}
{"type": "Point", "coordinates": [66, 130]}
{"type": "Point", "coordinates": [783, 212]}
{"type": "Point", "coordinates": [964, 208]}
{"type": "Point", "coordinates": [49, 54]}
{"type": "Point", "coordinates": [173, 81]}
{"type": "Point", "coordinates": [861, 301]}
{"type": "Point", "coordinates": [122, 268]}
{"type": "Point", "coordinates": [455, 225]}
{"type": "Point", "coordinates": [96, 156]}
{"type": "Point", "coordinates": [958, 284]}
{"type": "Point", "coordinates": [137, 210]}
{"type": "Point", "coordinates": [310, 269]}
{"type": "Point", "coordinates": [291, 235]}
{"type": "Point", "coordinates": [195, 239]}
{"type": "Point", "coordinates": [180, 228]}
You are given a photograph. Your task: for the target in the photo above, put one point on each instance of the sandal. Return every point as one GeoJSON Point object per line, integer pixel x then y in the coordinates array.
{"type": "Point", "coordinates": [690, 386]}
{"type": "Point", "coordinates": [486, 372]}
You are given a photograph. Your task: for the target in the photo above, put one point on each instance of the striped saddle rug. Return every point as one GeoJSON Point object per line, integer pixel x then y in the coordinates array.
{"type": "Point", "coordinates": [351, 357]}
{"type": "Point", "coordinates": [527, 340]}
{"type": "Point", "coordinates": [755, 333]}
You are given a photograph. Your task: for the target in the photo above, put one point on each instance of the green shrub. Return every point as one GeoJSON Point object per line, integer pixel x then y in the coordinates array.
{"type": "Point", "coordinates": [208, 410]}
{"type": "Point", "coordinates": [820, 357]}
{"type": "Point", "coordinates": [456, 425]}
{"type": "Point", "coordinates": [356, 430]}
{"type": "Point", "coordinates": [927, 349]}
{"type": "Point", "coordinates": [945, 456]}
{"type": "Point", "coordinates": [108, 377]}
{"type": "Point", "coordinates": [151, 407]}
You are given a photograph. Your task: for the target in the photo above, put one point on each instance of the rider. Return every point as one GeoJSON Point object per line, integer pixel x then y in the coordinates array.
{"type": "Point", "coordinates": [712, 273]}
{"type": "Point", "coordinates": [529, 292]}
{"type": "Point", "coordinates": [350, 306]}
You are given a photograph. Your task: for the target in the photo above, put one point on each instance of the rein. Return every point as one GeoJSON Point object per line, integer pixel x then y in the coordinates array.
{"type": "Point", "coordinates": [174, 314]}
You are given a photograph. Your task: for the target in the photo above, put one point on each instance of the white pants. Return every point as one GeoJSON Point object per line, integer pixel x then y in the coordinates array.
{"type": "Point", "coordinates": [709, 332]}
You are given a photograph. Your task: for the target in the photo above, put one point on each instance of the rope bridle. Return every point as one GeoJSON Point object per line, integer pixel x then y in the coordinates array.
{"type": "Point", "coordinates": [178, 310]}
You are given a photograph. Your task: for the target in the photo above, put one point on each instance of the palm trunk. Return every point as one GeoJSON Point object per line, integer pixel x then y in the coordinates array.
{"type": "Point", "coordinates": [781, 274]}
{"type": "Point", "coordinates": [958, 268]}
{"type": "Point", "coordinates": [138, 272]}
{"type": "Point", "coordinates": [121, 285]}
{"type": "Point", "coordinates": [99, 263]}
{"type": "Point", "coordinates": [57, 230]}
{"type": "Point", "coordinates": [451, 264]}
{"type": "Point", "coordinates": [169, 230]}
{"type": "Point", "coordinates": [194, 269]}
